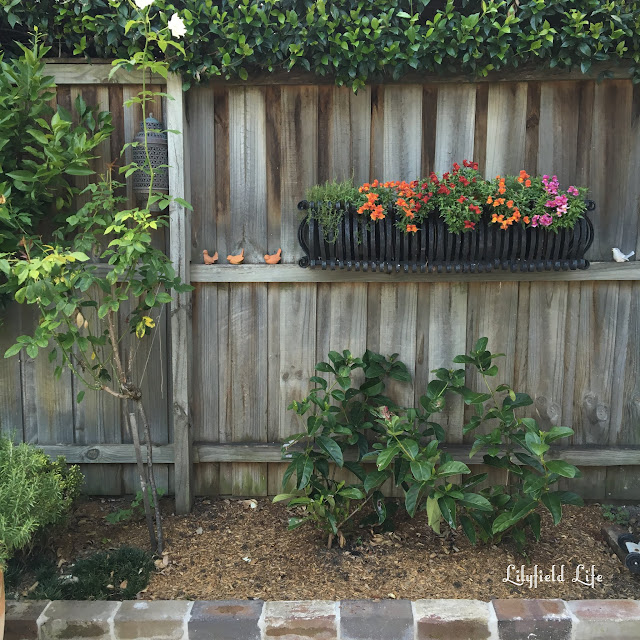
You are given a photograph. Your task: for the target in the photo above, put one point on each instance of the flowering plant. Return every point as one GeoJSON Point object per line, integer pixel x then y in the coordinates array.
{"type": "Point", "coordinates": [535, 202]}
{"type": "Point", "coordinates": [461, 197]}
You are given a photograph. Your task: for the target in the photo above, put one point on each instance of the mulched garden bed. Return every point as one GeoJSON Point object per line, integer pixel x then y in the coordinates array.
{"type": "Point", "coordinates": [228, 549]}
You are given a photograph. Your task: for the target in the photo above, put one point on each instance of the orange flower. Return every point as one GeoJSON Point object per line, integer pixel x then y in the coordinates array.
{"type": "Point", "coordinates": [509, 203]}
{"type": "Point", "coordinates": [527, 183]}
{"type": "Point", "coordinates": [489, 200]}
{"type": "Point", "coordinates": [377, 213]}
{"type": "Point", "coordinates": [412, 228]}
{"type": "Point", "coordinates": [410, 215]}
{"type": "Point", "coordinates": [526, 219]}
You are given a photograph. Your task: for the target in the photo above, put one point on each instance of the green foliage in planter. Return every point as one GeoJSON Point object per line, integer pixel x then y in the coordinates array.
{"type": "Point", "coordinates": [357, 41]}
{"type": "Point", "coordinates": [344, 418]}
{"type": "Point", "coordinates": [35, 492]}
{"type": "Point", "coordinates": [323, 199]}
{"type": "Point", "coordinates": [41, 150]}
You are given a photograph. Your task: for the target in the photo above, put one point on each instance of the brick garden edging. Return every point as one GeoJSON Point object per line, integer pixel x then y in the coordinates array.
{"type": "Point", "coordinates": [324, 620]}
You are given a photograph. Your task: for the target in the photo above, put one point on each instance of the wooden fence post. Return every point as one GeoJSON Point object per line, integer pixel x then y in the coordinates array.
{"type": "Point", "coordinates": [180, 321]}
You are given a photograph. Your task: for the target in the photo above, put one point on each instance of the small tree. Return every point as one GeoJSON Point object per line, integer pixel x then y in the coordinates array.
{"type": "Point", "coordinates": [79, 301]}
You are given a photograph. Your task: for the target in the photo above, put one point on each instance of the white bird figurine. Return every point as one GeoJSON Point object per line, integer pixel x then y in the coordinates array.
{"type": "Point", "coordinates": [618, 256]}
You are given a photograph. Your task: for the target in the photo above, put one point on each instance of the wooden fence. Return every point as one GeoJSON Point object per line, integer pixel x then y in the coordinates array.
{"type": "Point", "coordinates": [244, 344]}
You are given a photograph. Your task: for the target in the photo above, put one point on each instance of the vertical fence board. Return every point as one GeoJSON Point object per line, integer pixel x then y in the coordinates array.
{"type": "Point", "coordinates": [205, 383]}
{"type": "Point", "coordinates": [455, 125]}
{"type": "Point", "coordinates": [200, 110]}
{"type": "Point", "coordinates": [617, 224]}
{"type": "Point", "coordinates": [402, 153]}
{"type": "Point", "coordinates": [546, 346]}
{"type": "Point", "coordinates": [441, 335]}
{"type": "Point", "coordinates": [506, 128]}
{"type": "Point", "coordinates": [10, 379]}
{"type": "Point", "coordinates": [248, 303]}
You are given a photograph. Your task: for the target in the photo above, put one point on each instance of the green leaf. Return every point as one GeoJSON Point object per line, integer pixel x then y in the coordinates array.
{"type": "Point", "coordinates": [12, 350]}
{"type": "Point", "coordinates": [451, 468]}
{"type": "Point", "coordinates": [533, 520]}
{"type": "Point", "coordinates": [552, 502]}
{"type": "Point", "coordinates": [448, 509]}
{"type": "Point", "coordinates": [325, 366]}
{"type": "Point", "coordinates": [421, 470]}
{"type": "Point", "coordinates": [562, 468]}
{"type": "Point", "coordinates": [555, 433]}
{"type": "Point", "coordinates": [356, 469]}
{"type": "Point", "coordinates": [433, 514]}
{"type": "Point", "coordinates": [331, 448]}
{"type": "Point", "coordinates": [568, 497]}
{"type": "Point", "coordinates": [501, 523]}
{"type": "Point", "coordinates": [468, 528]}
{"type": "Point", "coordinates": [353, 493]}
{"type": "Point", "coordinates": [79, 397]}
{"type": "Point", "coordinates": [375, 479]}
{"type": "Point", "coordinates": [411, 498]}
{"type": "Point", "coordinates": [305, 475]}
{"type": "Point", "coordinates": [475, 501]}
{"type": "Point", "coordinates": [284, 496]}
{"type": "Point", "coordinates": [386, 456]}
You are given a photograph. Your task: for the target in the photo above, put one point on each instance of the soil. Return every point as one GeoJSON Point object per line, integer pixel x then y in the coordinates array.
{"type": "Point", "coordinates": [241, 549]}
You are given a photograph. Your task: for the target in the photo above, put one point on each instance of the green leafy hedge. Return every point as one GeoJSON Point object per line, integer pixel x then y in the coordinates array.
{"type": "Point", "coordinates": [355, 41]}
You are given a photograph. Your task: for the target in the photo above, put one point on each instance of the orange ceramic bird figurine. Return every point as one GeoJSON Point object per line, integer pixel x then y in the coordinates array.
{"type": "Point", "coordinates": [237, 259]}
{"type": "Point", "coordinates": [209, 259]}
{"type": "Point", "coordinates": [274, 258]}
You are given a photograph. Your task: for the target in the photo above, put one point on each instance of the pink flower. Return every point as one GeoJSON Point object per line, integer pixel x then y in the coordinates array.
{"type": "Point", "coordinates": [534, 221]}
{"type": "Point", "coordinates": [546, 220]}
{"type": "Point", "coordinates": [573, 191]}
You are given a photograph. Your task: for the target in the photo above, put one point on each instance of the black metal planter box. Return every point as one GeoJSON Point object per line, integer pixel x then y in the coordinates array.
{"type": "Point", "coordinates": [361, 244]}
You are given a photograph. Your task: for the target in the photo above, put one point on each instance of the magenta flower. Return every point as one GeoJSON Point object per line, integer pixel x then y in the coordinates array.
{"type": "Point", "coordinates": [534, 221]}
{"type": "Point", "coordinates": [573, 191]}
{"type": "Point", "coordinates": [546, 220]}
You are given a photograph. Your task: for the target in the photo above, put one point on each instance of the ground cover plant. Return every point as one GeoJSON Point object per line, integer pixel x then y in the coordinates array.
{"type": "Point", "coordinates": [356, 41]}
{"type": "Point", "coordinates": [355, 419]}
{"type": "Point", "coordinates": [114, 574]}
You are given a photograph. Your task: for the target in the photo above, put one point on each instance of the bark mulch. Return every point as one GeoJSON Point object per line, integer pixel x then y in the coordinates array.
{"type": "Point", "coordinates": [241, 549]}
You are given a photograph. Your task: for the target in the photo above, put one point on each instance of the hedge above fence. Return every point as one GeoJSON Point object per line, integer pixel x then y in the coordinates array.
{"type": "Point", "coordinates": [356, 41]}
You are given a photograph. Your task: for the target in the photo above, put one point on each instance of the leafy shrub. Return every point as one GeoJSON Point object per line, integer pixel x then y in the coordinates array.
{"type": "Point", "coordinates": [34, 493]}
{"type": "Point", "coordinates": [343, 420]}
{"type": "Point", "coordinates": [358, 41]}
{"type": "Point", "coordinates": [338, 416]}
{"type": "Point", "coordinates": [40, 149]}
{"type": "Point", "coordinates": [529, 484]}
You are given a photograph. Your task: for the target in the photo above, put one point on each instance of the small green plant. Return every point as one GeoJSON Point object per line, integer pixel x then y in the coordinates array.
{"type": "Point", "coordinates": [323, 199]}
{"type": "Point", "coordinates": [136, 510]}
{"type": "Point", "coordinates": [516, 445]}
{"type": "Point", "coordinates": [338, 416]}
{"type": "Point", "coordinates": [34, 493]}
{"type": "Point", "coordinates": [411, 443]}
{"type": "Point", "coordinates": [617, 515]}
